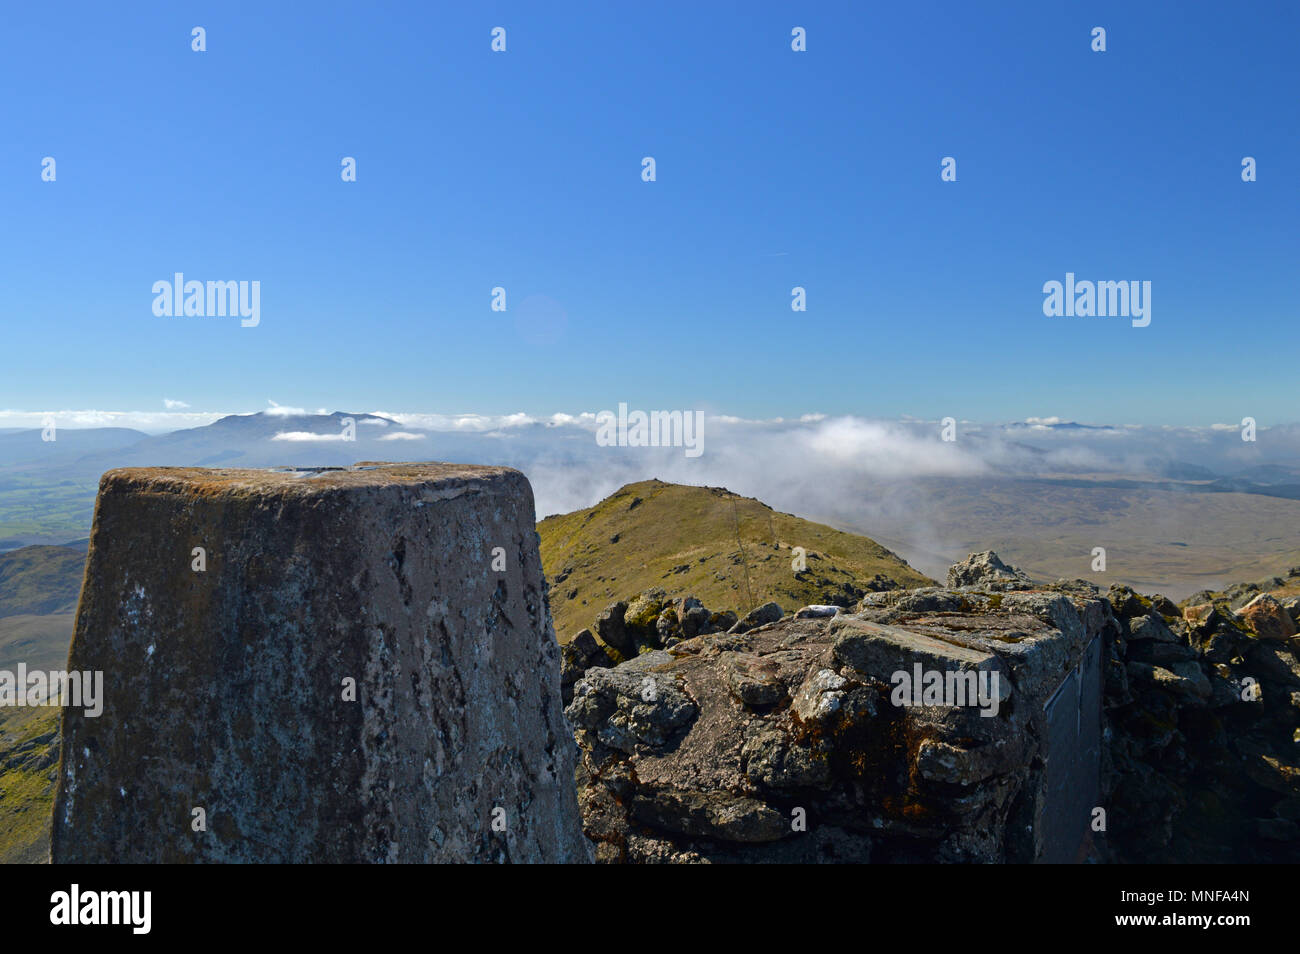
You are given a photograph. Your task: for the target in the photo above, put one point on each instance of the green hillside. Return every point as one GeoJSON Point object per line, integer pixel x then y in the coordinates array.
{"type": "Point", "coordinates": [35, 581]}
{"type": "Point", "coordinates": [730, 552]}
{"type": "Point", "coordinates": [39, 641]}
{"type": "Point", "coordinates": [37, 508]}
{"type": "Point", "coordinates": [29, 762]}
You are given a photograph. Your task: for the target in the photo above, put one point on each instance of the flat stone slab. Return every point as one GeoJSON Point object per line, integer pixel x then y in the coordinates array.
{"type": "Point", "coordinates": [879, 650]}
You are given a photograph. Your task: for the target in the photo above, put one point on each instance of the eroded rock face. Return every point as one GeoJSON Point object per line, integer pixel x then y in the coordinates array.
{"type": "Point", "coordinates": [364, 672]}
{"type": "Point", "coordinates": [787, 742]}
{"type": "Point", "coordinates": [1202, 708]}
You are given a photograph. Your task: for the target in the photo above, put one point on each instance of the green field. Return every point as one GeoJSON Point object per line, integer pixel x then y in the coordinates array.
{"type": "Point", "coordinates": [33, 511]}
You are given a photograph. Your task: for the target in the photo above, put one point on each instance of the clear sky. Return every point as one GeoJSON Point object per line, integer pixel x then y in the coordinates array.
{"type": "Point", "coordinates": [522, 169]}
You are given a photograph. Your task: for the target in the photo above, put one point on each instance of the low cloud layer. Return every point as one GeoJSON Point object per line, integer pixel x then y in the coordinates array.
{"type": "Point", "coordinates": [814, 463]}
{"type": "Point", "coordinates": [898, 481]}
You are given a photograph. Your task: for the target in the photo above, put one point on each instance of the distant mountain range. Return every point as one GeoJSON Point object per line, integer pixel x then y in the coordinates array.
{"type": "Point", "coordinates": [47, 488]}
{"type": "Point", "coordinates": [1177, 509]}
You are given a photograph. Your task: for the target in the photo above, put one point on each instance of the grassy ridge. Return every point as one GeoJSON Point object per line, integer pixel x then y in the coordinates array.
{"type": "Point", "coordinates": [28, 766]}
{"type": "Point", "coordinates": [731, 552]}
{"type": "Point", "coordinates": [39, 588]}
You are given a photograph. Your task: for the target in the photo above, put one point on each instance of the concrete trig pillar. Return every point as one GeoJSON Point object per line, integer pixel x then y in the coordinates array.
{"type": "Point", "coordinates": [344, 665]}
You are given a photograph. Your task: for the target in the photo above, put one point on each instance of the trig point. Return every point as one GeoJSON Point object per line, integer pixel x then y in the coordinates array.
{"type": "Point", "coordinates": [350, 672]}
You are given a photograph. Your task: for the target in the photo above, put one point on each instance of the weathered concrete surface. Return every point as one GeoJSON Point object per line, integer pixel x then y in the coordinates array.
{"type": "Point", "coordinates": [225, 689]}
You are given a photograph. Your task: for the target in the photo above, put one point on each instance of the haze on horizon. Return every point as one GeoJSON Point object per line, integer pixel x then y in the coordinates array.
{"type": "Point", "coordinates": [1179, 509]}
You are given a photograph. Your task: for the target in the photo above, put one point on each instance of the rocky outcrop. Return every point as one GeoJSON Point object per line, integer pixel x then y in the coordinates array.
{"type": "Point", "coordinates": [345, 665]}
{"type": "Point", "coordinates": [790, 741]}
{"type": "Point", "coordinates": [1203, 712]}
{"type": "Point", "coordinates": [1238, 595]}
{"type": "Point", "coordinates": [984, 568]}
{"type": "Point", "coordinates": [650, 622]}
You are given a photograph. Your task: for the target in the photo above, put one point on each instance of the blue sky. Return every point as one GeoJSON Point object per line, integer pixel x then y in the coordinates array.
{"type": "Point", "coordinates": [775, 169]}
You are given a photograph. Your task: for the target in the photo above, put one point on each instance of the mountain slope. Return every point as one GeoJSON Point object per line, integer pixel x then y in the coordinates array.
{"type": "Point", "coordinates": [731, 552]}
{"type": "Point", "coordinates": [29, 763]}
{"type": "Point", "coordinates": [40, 580]}
{"type": "Point", "coordinates": [39, 641]}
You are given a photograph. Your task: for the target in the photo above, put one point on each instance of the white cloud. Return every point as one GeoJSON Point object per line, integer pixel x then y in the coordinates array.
{"type": "Point", "coordinates": [280, 410]}
{"type": "Point", "coordinates": [173, 405]}
{"type": "Point", "coordinates": [404, 436]}
{"type": "Point", "coordinates": [883, 450]}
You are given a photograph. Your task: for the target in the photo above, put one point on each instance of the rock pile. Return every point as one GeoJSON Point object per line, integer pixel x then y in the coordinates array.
{"type": "Point", "coordinates": [782, 739]}
{"type": "Point", "coordinates": [651, 621]}
{"type": "Point", "coordinates": [1239, 594]}
{"type": "Point", "coordinates": [1204, 710]}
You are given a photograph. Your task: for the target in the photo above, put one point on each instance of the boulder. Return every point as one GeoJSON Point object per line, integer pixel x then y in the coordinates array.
{"type": "Point", "coordinates": [693, 617]}
{"type": "Point", "coordinates": [576, 657]}
{"type": "Point", "coordinates": [752, 681]}
{"type": "Point", "coordinates": [631, 705]}
{"type": "Point", "coordinates": [667, 626]}
{"type": "Point", "coordinates": [817, 610]}
{"type": "Point", "coordinates": [1292, 605]}
{"type": "Point", "coordinates": [982, 568]}
{"type": "Point", "coordinates": [610, 630]}
{"type": "Point", "coordinates": [1151, 626]}
{"type": "Point", "coordinates": [642, 617]}
{"type": "Point", "coordinates": [721, 622]}
{"type": "Point", "coordinates": [761, 616]}
{"type": "Point", "coordinates": [1266, 617]}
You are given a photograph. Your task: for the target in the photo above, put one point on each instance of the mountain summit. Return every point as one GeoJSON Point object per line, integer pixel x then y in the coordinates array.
{"type": "Point", "coordinates": [729, 551]}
